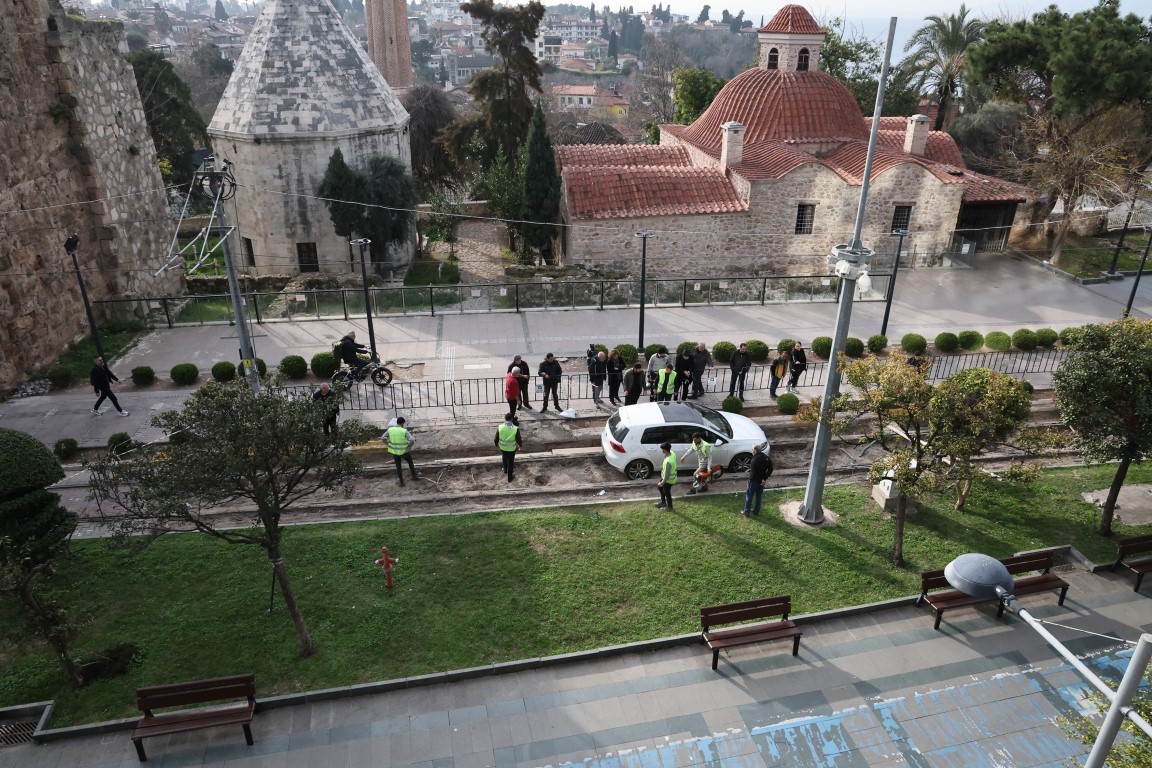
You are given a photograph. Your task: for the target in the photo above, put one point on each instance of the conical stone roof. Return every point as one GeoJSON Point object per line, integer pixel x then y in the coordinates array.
{"type": "Point", "coordinates": [302, 72]}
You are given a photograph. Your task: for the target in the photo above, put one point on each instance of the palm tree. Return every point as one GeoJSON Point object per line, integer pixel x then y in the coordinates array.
{"type": "Point", "coordinates": [938, 51]}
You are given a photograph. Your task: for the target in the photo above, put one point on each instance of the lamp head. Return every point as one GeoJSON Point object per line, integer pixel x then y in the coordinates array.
{"type": "Point", "coordinates": [979, 576]}
{"type": "Point", "coordinates": [72, 243]}
{"type": "Point", "coordinates": [864, 282]}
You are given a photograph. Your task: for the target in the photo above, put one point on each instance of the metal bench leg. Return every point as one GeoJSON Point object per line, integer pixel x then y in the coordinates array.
{"type": "Point", "coordinates": [139, 743]}
{"type": "Point", "coordinates": [1063, 594]}
{"type": "Point", "coordinates": [1000, 609]}
{"type": "Point", "coordinates": [939, 615]}
{"type": "Point", "coordinates": [248, 733]}
{"type": "Point", "coordinates": [1139, 578]}
{"type": "Point", "coordinates": [796, 645]}
{"type": "Point", "coordinates": [715, 657]}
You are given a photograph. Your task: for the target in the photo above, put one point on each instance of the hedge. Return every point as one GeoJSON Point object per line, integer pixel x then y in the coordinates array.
{"type": "Point", "coordinates": [184, 373]}
{"type": "Point", "coordinates": [66, 448]}
{"type": "Point", "coordinates": [913, 343]}
{"type": "Point", "coordinates": [722, 351]}
{"type": "Point", "coordinates": [294, 367]}
{"type": "Point", "coordinates": [61, 377]}
{"type": "Point", "coordinates": [651, 350]}
{"type": "Point", "coordinates": [224, 371]}
{"type": "Point", "coordinates": [758, 350]}
{"type": "Point", "coordinates": [853, 347]}
{"type": "Point", "coordinates": [786, 345]}
{"type": "Point", "coordinates": [947, 341]}
{"type": "Point", "coordinates": [971, 340]}
{"type": "Point", "coordinates": [628, 353]}
{"type": "Point", "coordinates": [822, 346]}
{"type": "Point", "coordinates": [788, 403]}
{"type": "Point", "coordinates": [685, 345]}
{"type": "Point", "coordinates": [324, 365]}
{"type": "Point", "coordinates": [1068, 336]}
{"type": "Point", "coordinates": [732, 404]}
{"type": "Point", "coordinates": [877, 344]}
{"type": "Point", "coordinates": [120, 443]}
{"type": "Point", "coordinates": [998, 340]}
{"type": "Point", "coordinates": [1024, 340]}
{"type": "Point", "coordinates": [143, 376]}
{"type": "Point", "coordinates": [1047, 338]}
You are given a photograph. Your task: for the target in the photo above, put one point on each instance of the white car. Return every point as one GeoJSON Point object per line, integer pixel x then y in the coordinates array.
{"type": "Point", "coordinates": [632, 436]}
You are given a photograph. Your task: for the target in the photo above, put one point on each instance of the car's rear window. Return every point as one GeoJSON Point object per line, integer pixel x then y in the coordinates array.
{"type": "Point", "coordinates": [618, 430]}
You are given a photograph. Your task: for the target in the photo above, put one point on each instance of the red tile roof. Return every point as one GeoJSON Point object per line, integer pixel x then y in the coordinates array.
{"type": "Point", "coordinates": [979, 188]}
{"type": "Point", "coordinates": [624, 192]}
{"type": "Point", "coordinates": [793, 20]}
{"type": "Point", "coordinates": [849, 159]}
{"type": "Point", "coordinates": [573, 155]}
{"type": "Point", "coordinates": [941, 147]}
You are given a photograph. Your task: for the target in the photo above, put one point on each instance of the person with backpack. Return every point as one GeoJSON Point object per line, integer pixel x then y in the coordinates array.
{"type": "Point", "coordinates": [758, 474]}
{"type": "Point", "coordinates": [349, 353]}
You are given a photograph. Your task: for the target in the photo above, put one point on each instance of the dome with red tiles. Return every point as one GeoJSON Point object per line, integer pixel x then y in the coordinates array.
{"type": "Point", "coordinates": [793, 20]}
{"type": "Point", "coordinates": [775, 105]}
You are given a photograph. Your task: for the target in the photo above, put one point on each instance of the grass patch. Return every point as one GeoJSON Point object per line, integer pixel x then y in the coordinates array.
{"type": "Point", "coordinates": [116, 338]}
{"type": "Point", "coordinates": [478, 589]}
{"type": "Point", "coordinates": [432, 273]}
{"type": "Point", "coordinates": [1088, 256]}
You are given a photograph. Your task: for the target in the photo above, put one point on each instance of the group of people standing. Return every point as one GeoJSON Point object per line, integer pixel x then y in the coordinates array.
{"type": "Point", "coordinates": [701, 450]}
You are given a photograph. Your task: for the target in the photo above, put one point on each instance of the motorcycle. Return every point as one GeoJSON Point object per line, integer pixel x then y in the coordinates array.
{"type": "Point", "coordinates": [380, 375]}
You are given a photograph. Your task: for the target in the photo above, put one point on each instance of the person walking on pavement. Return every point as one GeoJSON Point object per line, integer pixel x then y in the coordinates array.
{"type": "Point", "coordinates": [777, 371]}
{"type": "Point", "coordinates": [701, 362]}
{"type": "Point", "coordinates": [512, 389]}
{"type": "Point", "coordinates": [665, 384]}
{"type": "Point", "coordinates": [799, 363]}
{"type": "Point", "coordinates": [739, 364]}
{"type": "Point", "coordinates": [634, 381]}
{"type": "Point", "coordinates": [508, 440]}
{"type": "Point", "coordinates": [331, 402]}
{"type": "Point", "coordinates": [101, 379]}
{"type": "Point", "coordinates": [683, 374]}
{"type": "Point", "coordinates": [550, 373]}
{"type": "Point", "coordinates": [703, 452]}
{"type": "Point", "coordinates": [615, 366]}
{"type": "Point", "coordinates": [350, 353]}
{"type": "Point", "coordinates": [758, 474]}
{"type": "Point", "coordinates": [667, 477]}
{"type": "Point", "coordinates": [400, 442]}
{"type": "Point", "coordinates": [656, 364]}
{"type": "Point", "coordinates": [519, 364]}
{"type": "Point", "coordinates": [597, 373]}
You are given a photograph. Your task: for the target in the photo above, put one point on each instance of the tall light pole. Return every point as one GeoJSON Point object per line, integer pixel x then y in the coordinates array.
{"type": "Point", "coordinates": [364, 243]}
{"type": "Point", "coordinates": [644, 235]}
{"type": "Point", "coordinates": [901, 233]}
{"type": "Point", "coordinates": [1124, 232]}
{"type": "Point", "coordinates": [847, 262]}
{"type": "Point", "coordinates": [70, 246]}
{"type": "Point", "coordinates": [1143, 261]}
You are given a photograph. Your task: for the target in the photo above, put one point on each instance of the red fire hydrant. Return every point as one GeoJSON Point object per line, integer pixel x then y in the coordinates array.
{"type": "Point", "coordinates": [387, 562]}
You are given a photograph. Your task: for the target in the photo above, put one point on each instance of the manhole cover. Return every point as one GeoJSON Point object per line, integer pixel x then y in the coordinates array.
{"type": "Point", "coordinates": [20, 732]}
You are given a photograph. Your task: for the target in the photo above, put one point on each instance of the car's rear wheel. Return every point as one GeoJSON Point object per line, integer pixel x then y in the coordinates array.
{"type": "Point", "coordinates": [638, 469]}
{"type": "Point", "coordinates": [741, 462]}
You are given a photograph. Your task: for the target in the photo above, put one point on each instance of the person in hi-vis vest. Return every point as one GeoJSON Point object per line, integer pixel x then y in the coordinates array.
{"type": "Point", "coordinates": [665, 384]}
{"type": "Point", "coordinates": [508, 440]}
{"type": "Point", "coordinates": [400, 446]}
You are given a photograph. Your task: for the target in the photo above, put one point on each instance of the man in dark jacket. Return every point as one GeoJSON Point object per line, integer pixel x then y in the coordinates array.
{"type": "Point", "coordinates": [739, 364]}
{"type": "Point", "coordinates": [101, 379]}
{"type": "Point", "coordinates": [799, 364]}
{"type": "Point", "coordinates": [701, 362]}
{"type": "Point", "coordinates": [520, 363]}
{"type": "Point", "coordinates": [350, 353]}
{"type": "Point", "coordinates": [597, 374]}
{"type": "Point", "coordinates": [684, 367]}
{"type": "Point", "coordinates": [550, 373]}
{"type": "Point", "coordinates": [758, 474]}
{"type": "Point", "coordinates": [328, 397]}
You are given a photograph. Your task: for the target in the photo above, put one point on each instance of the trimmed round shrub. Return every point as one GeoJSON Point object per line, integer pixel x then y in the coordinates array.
{"type": "Point", "coordinates": [786, 345]}
{"type": "Point", "coordinates": [262, 367]}
{"type": "Point", "coordinates": [628, 353]}
{"type": "Point", "coordinates": [732, 404]}
{"type": "Point", "coordinates": [294, 367]}
{"type": "Point", "coordinates": [998, 340]}
{"type": "Point", "coordinates": [651, 350]}
{"type": "Point", "coordinates": [66, 448]}
{"type": "Point", "coordinates": [26, 467]}
{"type": "Point", "coordinates": [971, 340]}
{"type": "Point", "coordinates": [853, 347]}
{"type": "Point", "coordinates": [1028, 386]}
{"type": "Point", "coordinates": [224, 370]}
{"type": "Point", "coordinates": [1024, 340]}
{"type": "Point", "coordinates": [877, 344]}
{"type": "Point", "coordinates": [788, 403]}
{"type": "Point", "coordinates": [120, 443]}
{"type": "Point", "coordinates": [685, 345]}
{"type": "Point", "coordinates": [758, 350]}
{"type": "Point", "coordinates": [947, 341]}
{"type": "Point", "coordinates": [1068, 336]}
{"type": "Point", "coordinates": [913, 343]}
{"type": "Point", "coordinates": [822, 346]}
{"type": "Point", "coordinates": [61, 377]}
{"type": "Point", "coordinates": [143, 376]}
{"type": "Point", "coordinates": [324, 365]}
{"type": "Point", "coordinates": [184, 374]}
{"type": "Point", "coordinates": [722, 351]}
{"type": "Point", "coordinates": [1047, 338]}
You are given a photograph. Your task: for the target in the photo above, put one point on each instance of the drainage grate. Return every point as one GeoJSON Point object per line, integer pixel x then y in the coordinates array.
{"type": "Point", "coordinates": [19, 732]}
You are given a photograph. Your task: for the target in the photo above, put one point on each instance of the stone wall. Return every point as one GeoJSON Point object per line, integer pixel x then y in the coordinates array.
{"type": "Point", "coordinates": [77, 158]}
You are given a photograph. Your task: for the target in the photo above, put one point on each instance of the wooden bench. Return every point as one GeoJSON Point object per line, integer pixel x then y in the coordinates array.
{"type": "Point", "coordinates": [764, 608]}
{"type": "Point", "coordinates": [1135, 545]}
{"type": "Point", "coordinates": [197, 692]}
{"type": "Point", "coordinates": [1020, 564]}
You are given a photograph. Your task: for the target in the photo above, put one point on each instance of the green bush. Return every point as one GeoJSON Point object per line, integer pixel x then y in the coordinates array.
{"type": "Point", "coordinates": [853, 347]}
{"type": "Point", "coordinates": [785, 345]}
{"type": "Point", "coordinates": [184, 374]}
{"type": "Point", "coordinates": [224, 371]}
{"type": "Point", "coordinates": [66, 448]}
{"type": "Point", "coordinates": [971, 340]}
{"type": "Point", "coordinates": [262, 367]}
{"type": "Point", "coordinates": [1047, 338]}
{"type": "Point", "coordinates": [685, 345]}
{"type": "Point", "coordinates": [124, 325]}
{"type": "Point", "coordinates": [822, 346]}
{"type": "Point", "coordinates": [1028, 386]}
{"type": "Point", "coordinates": [179, 438]}
{"type": "Point", "coordinates": [120, 443]}
{"type": "Point", "coordinates": [877, 344]}
{"type": "Point", "coordinates": [143, 376]}
{"type": "Point", "coordinates": [947, 341]}
{"type": "Point", "coordinates": [61, 377]}
{"type": "Point", "coordinates": [628, 353]}
{"type": "Point", "coordinates": [998, 340]}
{"type": "Point", "coordinates": [732, 404]}
{"type": "Point", "coordinates": [913, 343]}
{"type": "Point", "coordinates": [294, 367]}
{"type": "Point", "coordinates": [722, 351]}
{"type": "Point", "coordinates": [788, 403]}
{"type": "Point", "coordinates": [1024, 340]}
{"type": "Point", "coordinates": [758, 350]}
{"type": "Point", "coordinates": [651, 350]}
{"type": "Point", "coordinates": [1069, 336]}
{"type": "Point", "coordinates": [324, 365]}
{"type": "Point", "coordinates": [600, 348]}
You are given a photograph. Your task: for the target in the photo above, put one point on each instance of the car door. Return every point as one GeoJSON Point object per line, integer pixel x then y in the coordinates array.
{"type": "Point", "coordinates": [650, 443]}
{"type": "Point", "coordinates": [722, 447]}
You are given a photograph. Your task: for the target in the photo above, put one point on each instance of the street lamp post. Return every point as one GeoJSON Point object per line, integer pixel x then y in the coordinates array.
{"type": "Point", "coordinates": [643, 282]}
{"type": "Point", "coordinates": [70, 245]}
{"type": "Point", "coordinates": [1124, 232]}
{"type": "Point", "coordinates": [983, 576]}
{"type": "Point", "coordinates": [364, 243]}
{"type": "Point", "coordinates": [1143, 261]}
{"type": "Point", "coordinates": [901, 233]}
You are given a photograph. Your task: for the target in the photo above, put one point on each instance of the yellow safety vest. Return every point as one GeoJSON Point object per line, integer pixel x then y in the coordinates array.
{"type": "Point", "coordinates": [397, 440]}
{"type": "Point", "coordinates": [507, 436]}
{"type": "Point", "coordinates": [669, 473]}
{"type": "Point", "coordinates": [671, 376]}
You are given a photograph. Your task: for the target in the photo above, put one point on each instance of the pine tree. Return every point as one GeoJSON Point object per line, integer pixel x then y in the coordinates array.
{"type": "Point", "coordinates": [221, 14]}
{"type": "Point", "coordinates": [541, 206]}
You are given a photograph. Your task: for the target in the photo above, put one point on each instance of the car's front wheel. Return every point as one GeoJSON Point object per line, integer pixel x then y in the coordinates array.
{"type": "Point", "coordinates": [742, 462]}
{"type": "Point", "coordinates": [638, 469]}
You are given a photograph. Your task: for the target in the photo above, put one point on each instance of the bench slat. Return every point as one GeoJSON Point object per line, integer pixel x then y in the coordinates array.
{"type": "Point", "coordinates": [1134, 545]}
{"type": "Point", "coordinates": [195, 692]}
{"type": "Point", "coordinates": [1033, 562]}
{"type": "Point", "coordinates": [748, 634]}
{"type": "Point", "coordinates": [161, 725]}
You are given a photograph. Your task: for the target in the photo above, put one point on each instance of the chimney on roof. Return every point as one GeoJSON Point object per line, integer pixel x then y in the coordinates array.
{"type": "Point", "coordinates": [916, 135]}
{"type": "Point", "coordinates": [732, 145]}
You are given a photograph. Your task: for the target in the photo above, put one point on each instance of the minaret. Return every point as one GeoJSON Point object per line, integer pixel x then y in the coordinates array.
{"type": "Point", "coordinates": [389, 46]}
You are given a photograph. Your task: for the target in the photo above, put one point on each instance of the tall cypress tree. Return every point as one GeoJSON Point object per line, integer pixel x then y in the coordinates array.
{"type": "Point", "coordinates": [342, 188]}
{"type": "Point", "coordinates": [541, 205]}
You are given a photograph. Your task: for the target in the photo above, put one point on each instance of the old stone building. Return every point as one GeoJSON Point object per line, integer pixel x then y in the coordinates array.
{"type": "Point", "coordinates": [77, 158]}
{"type": "Point", "coordinates": [302, 88]}
{"type": "Point", "coordinates": [389, 44]}
{"type": "Point", "coordinates": [768, 178]}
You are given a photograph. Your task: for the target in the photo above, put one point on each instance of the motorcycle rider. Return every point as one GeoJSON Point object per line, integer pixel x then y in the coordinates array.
{"type": "Point", "coordinates": [350, 354]}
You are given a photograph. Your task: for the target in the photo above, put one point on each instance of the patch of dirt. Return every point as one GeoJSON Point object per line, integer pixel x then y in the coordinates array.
{"type": "Point", "coordinates": [1133, 505]}
{"type": "Point", "coordinates": [479, 246]}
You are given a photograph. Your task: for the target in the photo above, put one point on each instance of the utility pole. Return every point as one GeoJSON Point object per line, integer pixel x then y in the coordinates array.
{"type": "Point", "coordinates": [364, 243]}
{"type": "Point", "coordinates": [643, 283]}
{"type": "Point", "coordinates": [70, 246]}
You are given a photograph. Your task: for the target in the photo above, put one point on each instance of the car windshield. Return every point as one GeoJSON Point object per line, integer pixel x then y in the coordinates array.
{"type": "Point", "coordinates": [715, 419]}
{"type": "Point", "coordinates": [618, 430]}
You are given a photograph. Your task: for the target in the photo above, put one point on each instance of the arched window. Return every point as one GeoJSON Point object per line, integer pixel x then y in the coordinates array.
{"type": "Point", "coordinates": [773, 59]}
{"type": "Point", "coordinates": [802, 61]}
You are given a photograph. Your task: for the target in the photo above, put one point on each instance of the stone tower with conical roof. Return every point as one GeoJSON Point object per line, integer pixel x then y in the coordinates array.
{"type": "Point", "coordinates": [389, 45]}
{"type": "Point", "coordinates": [791, 41]}
{"type": "Point", "coordinates": [303, 87]}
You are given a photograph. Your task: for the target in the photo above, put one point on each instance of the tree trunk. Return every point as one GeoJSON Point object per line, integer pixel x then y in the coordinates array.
{"type": "Point", "coordinates": [1058, 242]}
{"type": "Point", "coordinates": [1109, 509]}
{"type": "Point", "coordinates": [898, 542]}
{"type": "Point", "coordinates": [963, 488]}
{"type": "Point", "coordinates": [52, 631]}
{"type": "Point", "coordinates": [307, 647]}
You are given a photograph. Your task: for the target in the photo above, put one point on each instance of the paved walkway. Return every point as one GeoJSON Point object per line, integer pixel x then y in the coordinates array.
{"type": "Point", "coordinates": [879, 688]}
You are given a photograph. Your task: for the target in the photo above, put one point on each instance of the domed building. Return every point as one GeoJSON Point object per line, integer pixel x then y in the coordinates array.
{"type": "Point", "coordinates": [768, 179]}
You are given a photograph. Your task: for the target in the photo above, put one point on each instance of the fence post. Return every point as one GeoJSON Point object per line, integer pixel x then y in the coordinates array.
{"type": "Point", "coordinates": [601, 294]}
{"type": "Point", "coordinates": [256, 306]}
{"type": "Point", "coordinates": [684, 294]}
{"type": "Point", "coordinates": [167, 313]}
{"type": "Point", "coordinates": [432, 301]}
{"type": "Point", "coordinates": [517, 288]}
{"type": "Point", "coordinates": [344, 301]}
{"type": "Point", "coordinates": [763, 291]}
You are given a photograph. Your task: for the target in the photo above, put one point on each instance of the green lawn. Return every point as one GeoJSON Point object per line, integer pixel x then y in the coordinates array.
{"type": "Point", "coordinates": [116, 339]}
{"type": "Point", "coordinates": [1088, 257]}
{"type": "Point", "coordinates": [477, 589]}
